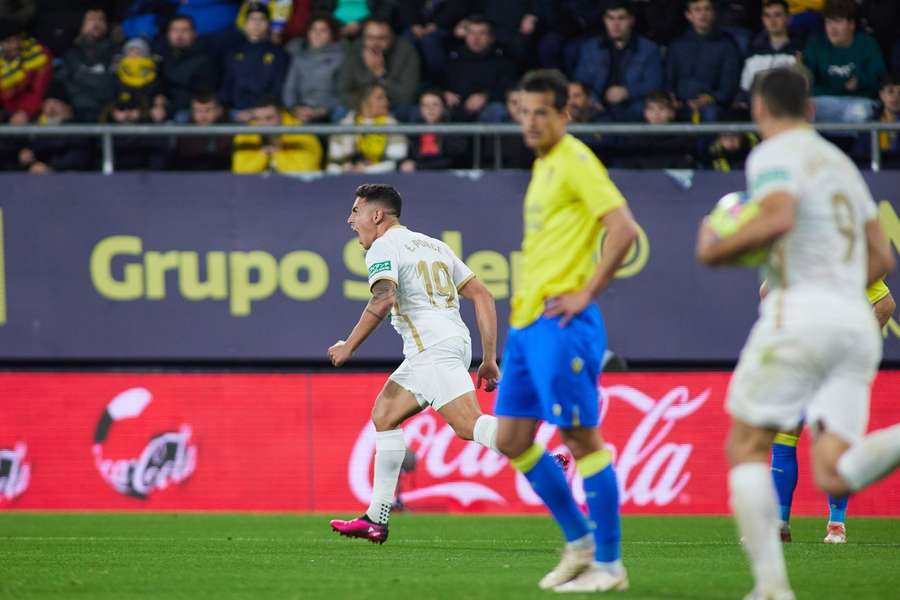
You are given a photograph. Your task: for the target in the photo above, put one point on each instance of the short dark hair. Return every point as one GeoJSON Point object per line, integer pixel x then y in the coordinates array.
{"type": "Point", "coordinates": [840, 9]}
{"type": "Point", "coordinates": [782, 3]}
{"type": "Point", "coordinates": [479, 19]}
{"type": "Point", "coordinates": [332, 25]}
{"type": "Point", "coordinates": [434, 92]}
{"type": "Point", "coordinates": [548, 80]}
{"type": "Point", "coordinates": [660, 97]}
{"type": "Point", "coordinates": [383, 194]}
{"type": "Point", "coordinates": [582, 85]}
{"type": "Point", "coordinates": [619, 5]}
{"type": "Point", "coordinates": [187, 18]}
{"type": "Point", "coordinates": [204, 97]}
{"type": "Point", "coordinates": [688, 3]}
{"type": "Point", "coordinates": [785, 90]}
{"type": "Point", "coordinates": [890, 79]}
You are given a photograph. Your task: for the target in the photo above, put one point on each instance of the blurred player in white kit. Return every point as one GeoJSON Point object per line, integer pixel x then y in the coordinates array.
{"type": "Point", "coordinates": [816, 346]}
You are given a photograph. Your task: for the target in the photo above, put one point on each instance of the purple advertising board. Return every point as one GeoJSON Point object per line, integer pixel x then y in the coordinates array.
{"type": "Point", "coordinates": [174, 267]}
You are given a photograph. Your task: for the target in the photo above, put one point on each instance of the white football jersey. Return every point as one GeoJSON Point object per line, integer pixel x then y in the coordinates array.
{"type": "Point", "coordinates": [825, 254]}
{"type": "Point", "coordinates": [428, 276]}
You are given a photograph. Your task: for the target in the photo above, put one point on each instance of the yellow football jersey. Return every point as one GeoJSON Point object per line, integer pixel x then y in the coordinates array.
{"type": "Point", "coordinates": [877, 291]}
{"type": "Point", "coordinates": [570, 191]}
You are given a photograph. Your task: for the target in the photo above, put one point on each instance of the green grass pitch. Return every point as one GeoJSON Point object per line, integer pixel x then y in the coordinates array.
{"type": "Point", "coordinates": [168, 555]}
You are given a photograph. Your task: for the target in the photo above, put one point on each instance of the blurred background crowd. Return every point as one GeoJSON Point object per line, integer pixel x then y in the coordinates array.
{"type": "Point", "coordinates": [292, 62]}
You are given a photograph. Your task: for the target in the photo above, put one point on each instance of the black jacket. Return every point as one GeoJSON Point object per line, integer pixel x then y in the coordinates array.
{"type": "Point", "coordinates": [468, 73]}
{"type": "Point", "coordinates": [90, 78]}
{"type": "Point", "coordinates": [186, 73]}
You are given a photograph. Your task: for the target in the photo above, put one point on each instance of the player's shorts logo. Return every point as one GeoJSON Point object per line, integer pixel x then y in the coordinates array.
{"type": "Point", "coordinates": [169, 457]}
{"type": "Point", "coordinates": [15, 472]}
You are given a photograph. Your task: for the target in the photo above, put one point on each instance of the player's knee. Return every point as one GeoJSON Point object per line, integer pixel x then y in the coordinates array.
{"type": "Point", "coordinates": [463, 428]}
{"type": "Point", "coordinates": [383, 419]}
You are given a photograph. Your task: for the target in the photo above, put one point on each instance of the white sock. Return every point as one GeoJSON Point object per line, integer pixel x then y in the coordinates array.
{"type": "Point", "coordinates": [613, 568]}
{"type": "Point", "coordinates": [389, 452]}
{"type": "Point", "coordinates": [585, 542]}
{"type": "Point", "coordinates": [485, 431]}
{"type": "Point", "coordinates": [871, 458]}
{"type": "Point", "coordinates": [755, 508]}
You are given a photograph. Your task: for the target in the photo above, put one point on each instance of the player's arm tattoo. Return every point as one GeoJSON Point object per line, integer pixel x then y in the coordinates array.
{"type": "Point", "coordinates": [382, 300]}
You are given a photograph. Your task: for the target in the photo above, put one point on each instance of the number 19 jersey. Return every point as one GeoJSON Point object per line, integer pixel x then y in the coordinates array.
{"type": "Point", "coordinates": [428, 276]}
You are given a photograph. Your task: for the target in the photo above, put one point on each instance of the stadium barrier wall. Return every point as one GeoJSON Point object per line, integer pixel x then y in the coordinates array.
{"type": "Point", "coordinates": [174, 267]}
{"type": "Point", "coordinates": [304, 442]}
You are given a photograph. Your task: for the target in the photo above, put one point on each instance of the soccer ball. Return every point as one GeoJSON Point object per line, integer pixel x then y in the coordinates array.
{"type": "Point", "coordinates": [730, 213]}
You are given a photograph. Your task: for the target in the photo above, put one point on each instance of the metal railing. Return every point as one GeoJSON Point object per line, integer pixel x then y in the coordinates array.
{"type": "Point", "coordinates": [107, 132]}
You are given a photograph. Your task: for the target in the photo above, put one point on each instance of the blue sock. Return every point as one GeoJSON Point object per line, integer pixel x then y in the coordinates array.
{"type": "Point", "coordinates": [784, 471]}
{"type": "Point", "coordinates": [837, 509]}
{"type": "Point", "coordinates": [602, 492]}
{"type": "Point", "coordinates": [549, 482]}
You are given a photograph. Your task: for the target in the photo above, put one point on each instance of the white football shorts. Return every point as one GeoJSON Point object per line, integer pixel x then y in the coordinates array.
{"type": "Point", "coordinates": [820, 369]}
{"type": "Point", "coordinates": [438, 374]}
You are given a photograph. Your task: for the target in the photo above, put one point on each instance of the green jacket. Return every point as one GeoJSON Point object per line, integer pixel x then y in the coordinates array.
{"type": "Point", "coordinates": [832, 67]}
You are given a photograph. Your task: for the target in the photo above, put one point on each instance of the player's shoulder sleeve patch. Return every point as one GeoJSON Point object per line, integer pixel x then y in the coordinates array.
{"type": "Point", "coordinates": [378, 267]}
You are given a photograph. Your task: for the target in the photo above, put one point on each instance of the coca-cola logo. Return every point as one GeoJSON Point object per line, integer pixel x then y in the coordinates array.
{"type": "Point", "coordinates": [168, 458]}
{"type": "Point", "coordinates": [15, 472]}
{"type": "Point", "coordinates": [653, 466]}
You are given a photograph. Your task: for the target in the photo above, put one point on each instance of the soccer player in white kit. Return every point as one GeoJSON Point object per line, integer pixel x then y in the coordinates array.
{"type": "Point", "coordinates": [816, 346]}
{"type": "Point", "coordinates": [416, 282]}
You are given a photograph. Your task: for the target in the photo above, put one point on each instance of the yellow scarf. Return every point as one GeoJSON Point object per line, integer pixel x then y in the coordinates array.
{"type": "Point", "coordinates": [371, 145]}
{"type": "Point", "coordinates": [136, 71]}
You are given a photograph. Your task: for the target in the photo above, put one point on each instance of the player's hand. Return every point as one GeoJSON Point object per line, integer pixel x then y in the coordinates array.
{"type": "Point", "coordinates": [567, 306]}
{"type": "Point", "coordinates": [489, 373]}
{"type": "Point", "coordinates": [339, 353]}
{"type": "Point", "coordinates": [706, 239]}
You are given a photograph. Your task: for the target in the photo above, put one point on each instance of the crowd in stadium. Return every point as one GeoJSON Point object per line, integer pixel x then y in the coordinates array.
{"type": "Point", "coordinates": [351, 62]}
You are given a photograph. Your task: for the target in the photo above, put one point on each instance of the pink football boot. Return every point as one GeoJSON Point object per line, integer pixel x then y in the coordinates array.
{"type": "Point", "coordinates": [361, 527]}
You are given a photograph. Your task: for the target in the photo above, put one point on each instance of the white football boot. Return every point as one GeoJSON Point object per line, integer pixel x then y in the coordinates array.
{"type": "Point", "coordinates": [596, 579]}
{"type": "Point", "coordinates": [572, 564]}
{"type": "Point", "coordinates": [836, 533]}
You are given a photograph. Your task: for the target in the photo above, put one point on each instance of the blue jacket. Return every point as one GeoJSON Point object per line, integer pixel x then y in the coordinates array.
{"type": "Point", "coordinates": [253, 72]}
{"type": "Point", "coordinates": [641, 64]}
{"type": "Point", "coordinates": [704, 64]}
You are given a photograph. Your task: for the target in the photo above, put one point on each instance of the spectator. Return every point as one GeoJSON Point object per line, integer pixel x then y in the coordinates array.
{"type": "Point", "coordinates": [57, 22]}
{"type": "Point", "coordinates": [352, 15]}
{"type": "Point", "coordinates": [882, 18]}
{"type": "Point", "coordinates": [134, 152]}
{"type": "Point", "coordinates": [310, 91]}
{"type": "Point", "coordinates": [846, 66]}
{"type": "Point", "coordinates": [88, 72]}
{"type": "Point", "coordinates": [432, 151]}
{"type": "Point", "coordinates": [772, 47]}
{"type": "Point", "coordinates": [370, 152]}
{"type": "Point", "coordinates": [622, 67]}
{"type": "Point", "coordinates": [703, 65]}
{"type": "Point", "coordinates": [255, 69]}
{"type": "Point", "coordinates": [279, 13]}
{"type": "Point", "coordinates": [660, 20]}
{"type": "Point", "coordinates": [379, 57]}
{"type": "Point", "coordinates": [26, 70]}
{"type": "Point", "coordinates": [18, 12]}
{"type": "Point", "coordinates": [145, 18]}
{"type": "Point", "coordinates": [514, 25]}
{"type": "Point", "coordinates": [478, 75]}
{"type": "Point", "coordinates": [514, 154]}
{"type": "Point", "coordinates": [568, 23]}
{"type": "Point", "coordinates": [430, 26]}
{"type": "Point", "coordinates": [582, 107]}
{"type": "Point", "coordinates": [287, 153]}
{"type": "Point", "coordinates": [200, 152]}
{"type": "Point", "coordinates": [136, 71]}
{"type": "Point", "coordinates": [666, 151]}
{"type": "Point", "coordinates": [45, 154]}
{"type": "Point", "coordinates": [730, 151]}
{"type": "Point", "coordinates": [186, 70]}
{"type": "Point", "coordinates": [889, 112]}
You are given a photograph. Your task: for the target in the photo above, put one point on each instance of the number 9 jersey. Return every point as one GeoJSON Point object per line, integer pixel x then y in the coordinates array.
{"type": "Point", "coordinates": [428, 276]}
